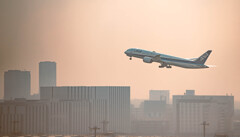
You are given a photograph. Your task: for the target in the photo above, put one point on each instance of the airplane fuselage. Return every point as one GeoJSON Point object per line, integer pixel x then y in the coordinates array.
{"type": "Point", "coordinates": [164, 60]}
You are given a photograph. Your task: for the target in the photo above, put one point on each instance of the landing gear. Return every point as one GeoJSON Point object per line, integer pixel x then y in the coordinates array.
{"type": "Point", "coordinates": [161, 66]}
{"type": "Point", "coordinates": [130, 58]}
{"type": "Point", "coordinates": [169, 66]}
{"type": "Point", "coordinates": [164, 65]}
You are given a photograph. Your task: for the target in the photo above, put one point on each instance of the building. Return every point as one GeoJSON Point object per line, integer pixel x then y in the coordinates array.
{"type": "Point", "coordinates": [190, 92]}
{"type": "Point", "coordinates": [162, 95]}
{"type": "Point", "coordinates": [190, 111]}
{"type": "Point", "coordinates": [35, 96]}
{"type": "Point", "coordinates": [31, 117]}
{"type": "Point", "coordinates": [151, 119]}
{"type": "Point", "coordinates": [154, 109]}
{"type": "Point", "coordinates": [117, 102]}
{"type": "Point", "coordinates": [137, 113]}
{"type": "Point", "coordinates": [150, 128]}
{"type": "Point", "coordinates": [47, 74]}
{"type": "Point", "coordinates": [17, 84]}
{"type": "Point", "coordinates": [236, 128]}
{"type": "Point", "coordinates": [153, 116]}
{"type": "Point", "coordinates": [68, 111]}
{"type": "Point", "coordinates": [20, 116]}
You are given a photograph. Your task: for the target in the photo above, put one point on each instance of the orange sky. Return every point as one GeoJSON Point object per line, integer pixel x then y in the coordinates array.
{"type": "Point", "coordinates": [87, 39]}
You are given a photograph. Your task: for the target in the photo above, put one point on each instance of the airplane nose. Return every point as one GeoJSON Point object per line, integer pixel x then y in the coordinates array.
{"type": "Point", "coordinates": [127, 52]}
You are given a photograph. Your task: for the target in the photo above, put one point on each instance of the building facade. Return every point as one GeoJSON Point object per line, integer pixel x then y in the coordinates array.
{"type": "Point", "coordinates": [150, 128]}
{"type": "Point", "coordinates": [68, 111]}
{"type": "Point", "coordinates": [47, 74]}
{"type": "Point", "coordinates": [154, 109]}
{"type": "Point", "coordinates": [117, 102]}
{"type": "Point", "coordinates": [190, 111]}
{"type": "Point", "coordinates": [161, 95]}
{"type": "Point", "coordinates": [17, 84]}
{"type": "Point", "coordinates": [50, 117]}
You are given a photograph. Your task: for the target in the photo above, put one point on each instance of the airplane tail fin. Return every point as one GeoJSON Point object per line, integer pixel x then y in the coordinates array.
{"type": "Point", "coordinates": [202, 59]}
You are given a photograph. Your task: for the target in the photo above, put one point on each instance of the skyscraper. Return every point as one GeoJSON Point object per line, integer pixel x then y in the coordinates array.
{"type": "Point", "coordinates": [17, 84]}
{"type": "Point", "coordinates": [47, 74]}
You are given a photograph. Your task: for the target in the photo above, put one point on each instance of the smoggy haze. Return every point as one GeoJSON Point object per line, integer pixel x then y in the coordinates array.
{"type": "Point", "coordinates": [87, 39]}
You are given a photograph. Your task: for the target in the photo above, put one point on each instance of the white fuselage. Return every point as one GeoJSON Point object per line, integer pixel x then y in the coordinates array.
{"type": "Point", "coordinates": [163, 59]}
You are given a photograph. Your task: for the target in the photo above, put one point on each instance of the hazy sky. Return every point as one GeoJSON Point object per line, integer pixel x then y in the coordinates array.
{"type": "Point", "coordinates": [87, 39]}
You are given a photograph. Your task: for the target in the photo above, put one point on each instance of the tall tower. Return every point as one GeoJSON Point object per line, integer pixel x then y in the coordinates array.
{"type": "Point", "coordinates": [47, 74]}
{"type": "Point", "coordinates": [17, 84]}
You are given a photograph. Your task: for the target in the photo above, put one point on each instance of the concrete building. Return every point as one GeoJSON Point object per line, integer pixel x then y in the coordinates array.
{"type": "Point", "coordinates": [19, 117]}
{"type": "Point", "coordinates": [190, 92]}
{"type": "Point", "coordinates": [153, 116]}
{"type": "Point", "coordinates": [191, 110]}
{"type": "Point", "coordinates": [117, 103]}
{"type": "Point", "coordinates": [162, 95]}
{"type": "Point", "coordinates": [26, 117]}
{"type": "Point", "coordinates": [137, 113]}
{"type": "Point", "coordinates": [236, 128]}
{"type": "Point", "coordinates": [35, 96]}
{"type": "Point", "coordinates": [17, 84]}
{"type": "Point", "coordinates": [154, 109]}
{"type": "Point", "coordinates": [68, 111]}
{"type": "Point", "coordinates": [47, 74]}
{"type": "Point", "coordinates": [150, 128]}
{"type": "Point", "coordinates": [154, 121]}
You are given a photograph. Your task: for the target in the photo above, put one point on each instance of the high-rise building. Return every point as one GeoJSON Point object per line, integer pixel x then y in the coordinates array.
{"type": "Point", "coordinates": [17, 84]}
{"type": "Point", "coordinates": [162, 95]}
{"type": "Point", "coordinates": [47, 74]}
{"type": "Point", "coordinates": [190, 111]}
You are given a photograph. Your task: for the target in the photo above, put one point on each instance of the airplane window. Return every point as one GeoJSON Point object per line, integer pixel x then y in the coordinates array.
{"type": "Point", "coordinates": [139, 51]}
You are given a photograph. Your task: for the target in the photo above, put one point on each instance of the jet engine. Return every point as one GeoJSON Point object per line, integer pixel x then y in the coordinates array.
{"type": "Point", "coordinates": [147, 60]}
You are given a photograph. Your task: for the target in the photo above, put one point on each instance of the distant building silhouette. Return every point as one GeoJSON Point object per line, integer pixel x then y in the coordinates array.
{"type": "Point", "coordinates": [236, 128]}
{"type": "Point", "coordinates": [154, 109]}
{"type": "Point", "coordinates": [17, 84]}
{"type": "Point", "coordinates": [190, 92]}
{"type": "Point", "coordinates": [137, 113]}
{"type": "Point", "coordinates": [35, 96]}
{"type": "Point", "coordinates": [153, 116]}
{"type": "Point", "coordinates": [191, 110]}
{"type": "Point", "coordinates": [150, 128]}
{"type": "Point", "coordinates": [68, 111]}
{"type": "Point", "coordinates": [117, 100]}
{"type": "Point", "coordinates": [162, 95]}
{"type": "Point", "coordinates": [47, 74]}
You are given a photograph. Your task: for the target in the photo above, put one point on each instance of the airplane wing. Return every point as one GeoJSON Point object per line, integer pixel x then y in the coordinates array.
{"type": "Point", "coordinates": [156, 58]}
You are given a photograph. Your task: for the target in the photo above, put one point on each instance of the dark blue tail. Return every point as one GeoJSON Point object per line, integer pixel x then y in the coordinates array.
{"type": "Point", "coordinates": [202, 59]}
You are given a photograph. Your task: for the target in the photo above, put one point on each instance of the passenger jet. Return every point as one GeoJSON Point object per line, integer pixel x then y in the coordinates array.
{"type": "Point", "coordinates": [167, 60]}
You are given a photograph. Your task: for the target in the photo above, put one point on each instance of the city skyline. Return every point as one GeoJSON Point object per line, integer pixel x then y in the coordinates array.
{"type": "Point", "coordinates": [87, 40]}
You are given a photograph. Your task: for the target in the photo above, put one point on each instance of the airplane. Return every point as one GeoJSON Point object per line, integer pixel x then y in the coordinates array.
{"type": "Point", "coordinates": [167, 60]}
